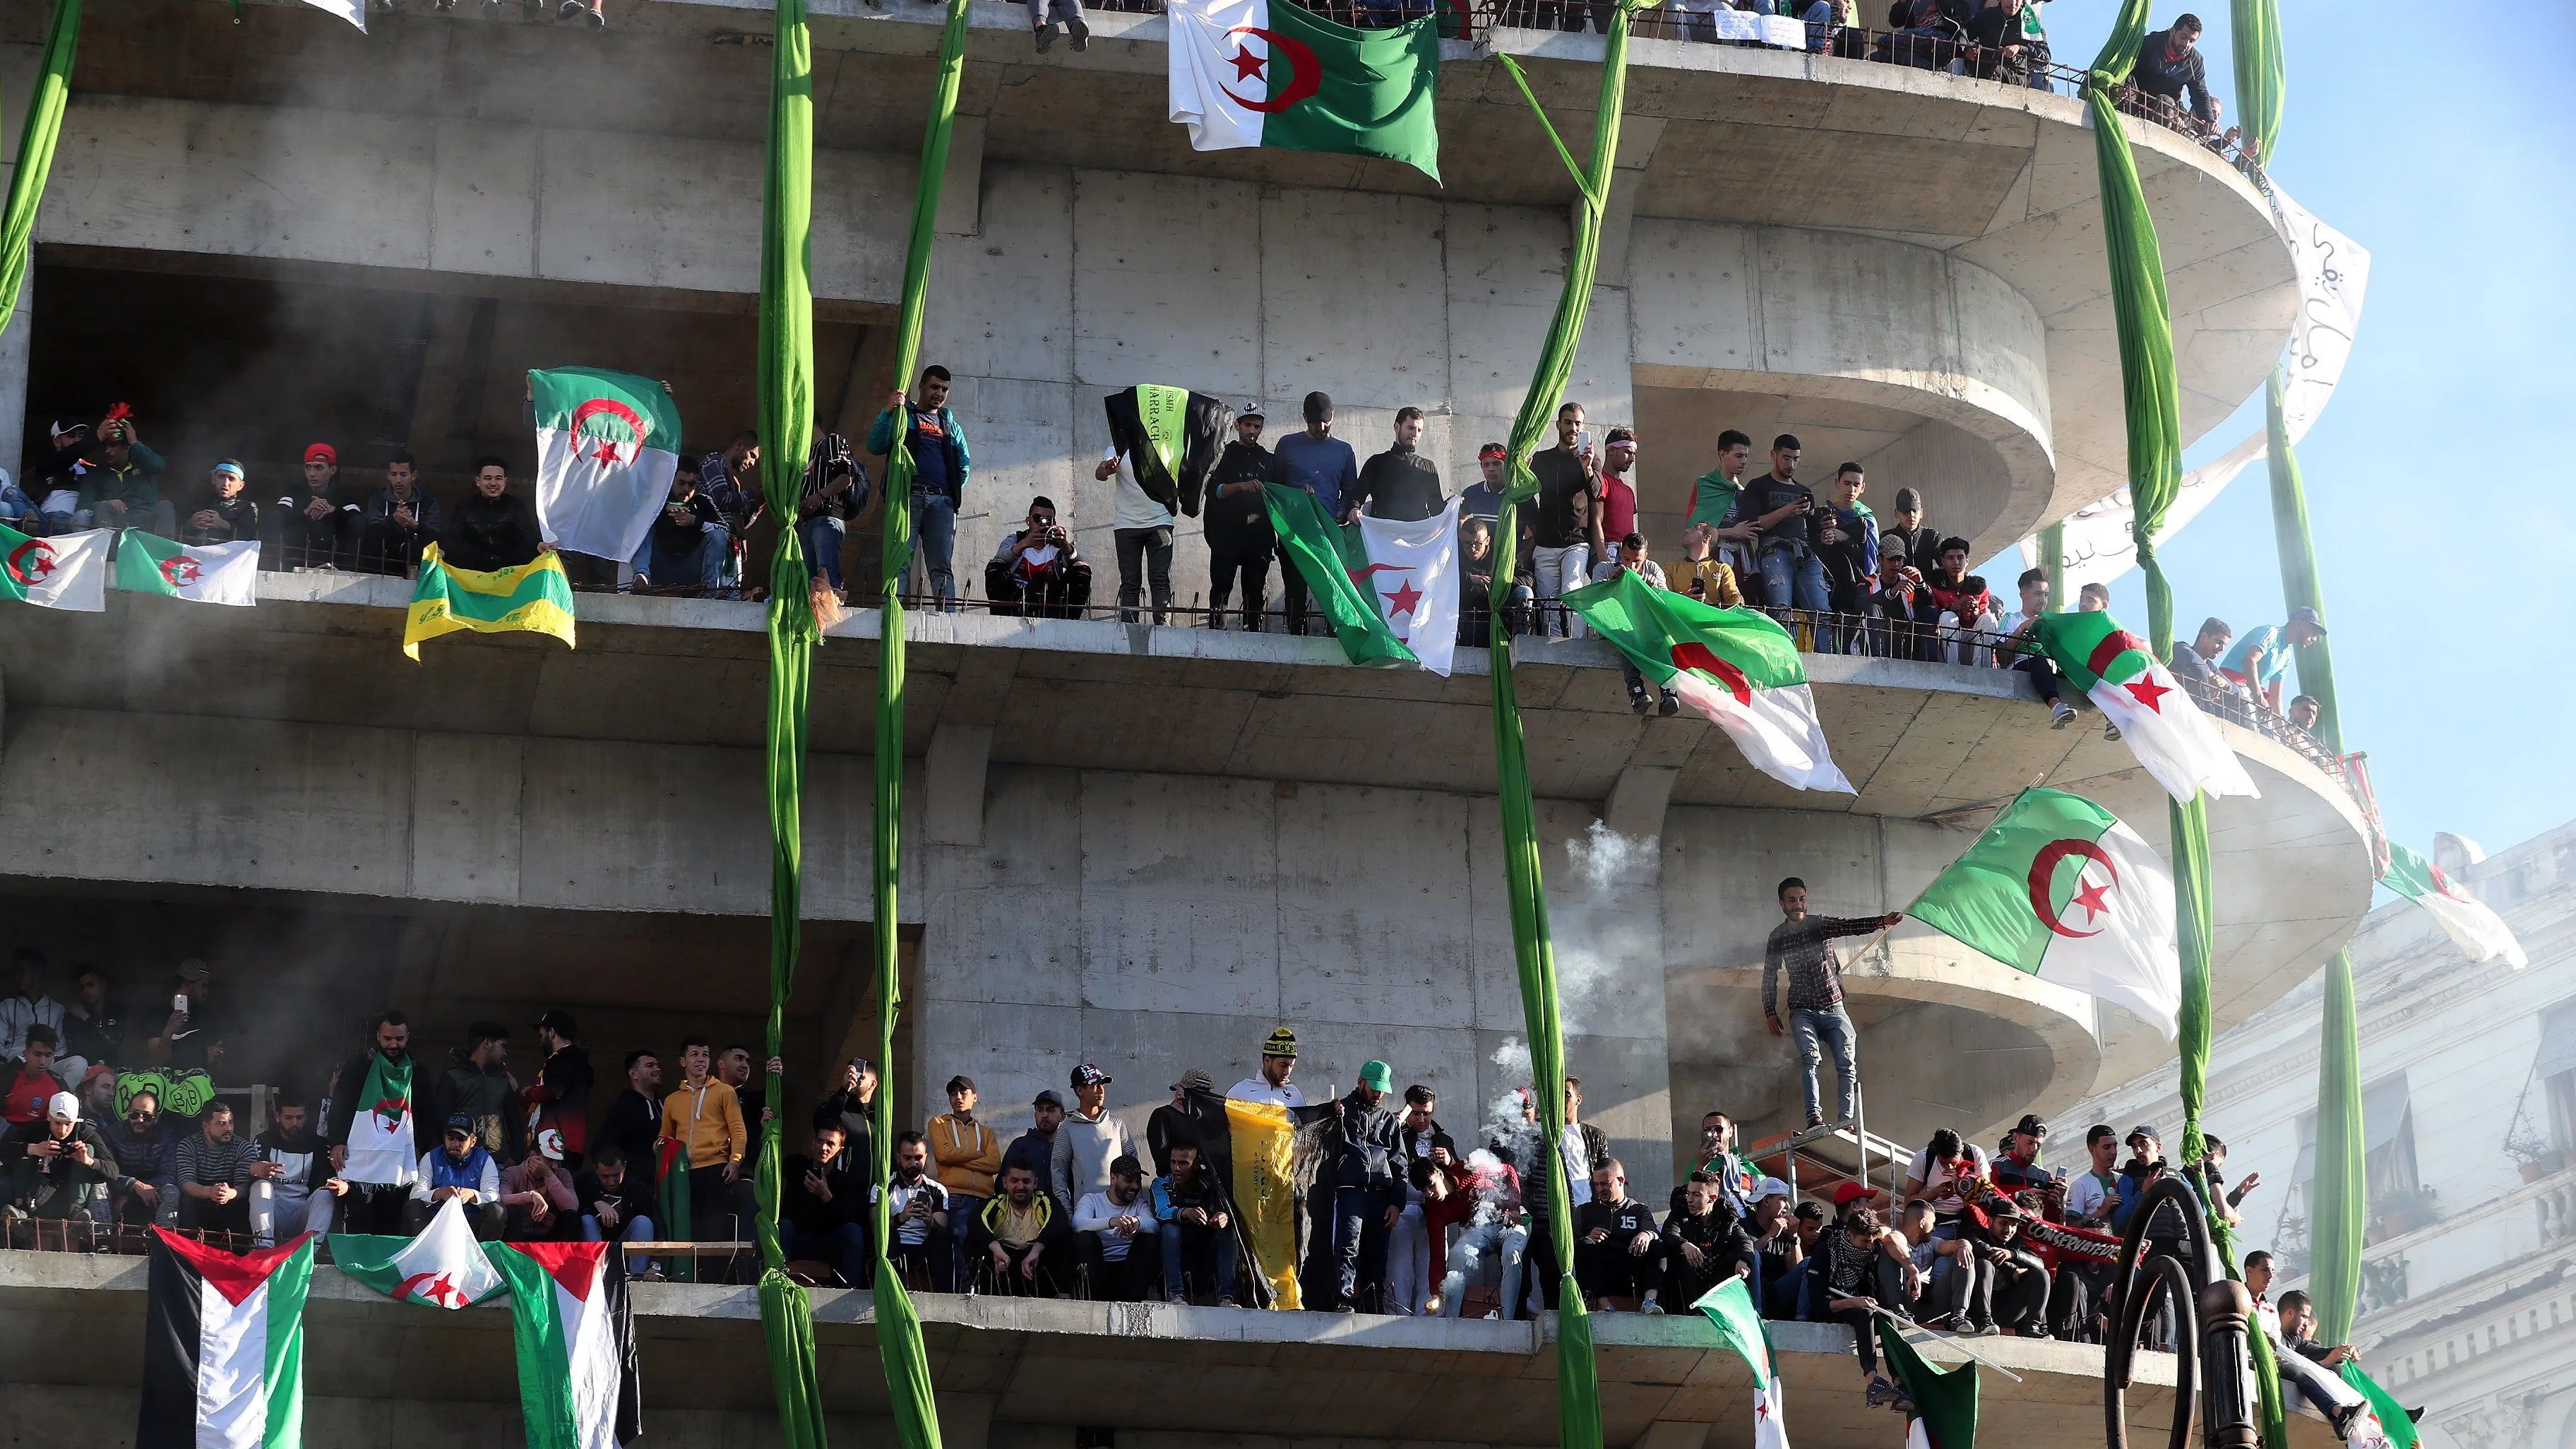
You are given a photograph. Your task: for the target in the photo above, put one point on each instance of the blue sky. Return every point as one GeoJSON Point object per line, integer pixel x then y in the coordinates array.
{"type": "Point", "coordinates": [2439, 478]}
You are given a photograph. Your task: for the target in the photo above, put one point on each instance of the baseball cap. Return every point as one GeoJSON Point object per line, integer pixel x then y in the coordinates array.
{"type": "Point", "coordinates": [96, 1071]}
{"type": "Point", "coordinates": [69, 427]}
{"type": "Point", "coordinates": [2146, 1130]}
{"type": "Point", "coordinates": [1281, 1043]}
{"type": "Point", "coordinates": [461, 1123]}
{"type": "Point", "coordinates": [1088, 1075]}
{"type": "Point", "coordinates": [63, 1107]}
{"type": "Point", "coordinates": [1196, 1081]}
{"type": "Point", "coordinates": [1378, 1075]}
{"type": "Point", "coordinates": [558, 1021]}
{"type": "Point", "coordinates": [1491, 450]}
{"type": "Point", "coordinates": [323, 451]}
{"type": "Point", "coordinates": [1048, 1099]}
{"type": "Point", "coordinates": [1848, 1193]}
{"type": "Point", "coordinates": [863, 1064]}
{"type": "Point", "coordinates": [2308, 616]}
{"type": "Point", "coordinates": [1770, 1187]}
{"type": "Point", "coordinates": [960, 1083]}
{"type": "Point", "coordinates": [2031, 1124]}
{"type": "Point", "coordinates": [194, 969]}
{"type": "Point", "coordinates": [1250, 409]}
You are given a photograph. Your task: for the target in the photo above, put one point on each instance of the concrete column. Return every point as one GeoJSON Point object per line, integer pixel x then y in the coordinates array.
{"type": "Point", "coordinates": [953, 775]}
{"type": "Point", "coordinates": [13, 378]}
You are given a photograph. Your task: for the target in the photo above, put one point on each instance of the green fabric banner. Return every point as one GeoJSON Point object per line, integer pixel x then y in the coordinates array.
{"type": "Point", "coordinates": [1578, 1381]}
{"type": "Point", "coordinates": [786, 413]}
{"type": "Point", "coordinates": [2254, 32]}
{"type": "Point", "coordinates": [898, 1323]}
{"type": "Point", "coordinates": [36, 152]}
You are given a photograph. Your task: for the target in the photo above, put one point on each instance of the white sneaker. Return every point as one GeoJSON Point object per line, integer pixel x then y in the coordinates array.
{"type": "Point", "coordinates": [2060, 714]}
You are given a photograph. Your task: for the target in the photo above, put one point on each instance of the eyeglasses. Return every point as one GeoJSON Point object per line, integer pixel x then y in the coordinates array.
{"type": "Point", "coordinates": [138, 1116]}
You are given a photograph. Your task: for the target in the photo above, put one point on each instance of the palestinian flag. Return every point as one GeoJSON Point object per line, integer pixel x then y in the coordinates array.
{"type": "Point", "coordinates": [223, 1346]}
{"type": "Point", "coordinates": [222, 573]}
{"type": "Point", "coordinates": [607, 445]}
{"type": "Point", "coordinates": [443, 1266]}
{"type": "Point", "coordinates": [2476, 929]}
{"type": "Point", "coordinates": [534, 598]}
{"type": "Point", "coordinates": [1267, 1157]}
{"type": "Point", "coordinates": [2157, 720]}
{"type": "Point", "coordinates": [1943, 1412]}
{"type": "Point", "coordinates": [1250, 73]}
{"type": "Point", "coordinates": [576, 1342]}
{"type": "Point", "coordinates": [66, 571]}
{"type": "Point", "coordinates": [1171, 437]}
{"type": "Point", "coordinates": [1729, 1305]}
{"type": "Point", "coordinates": [2060, 888]}
{"type": "Point", "coordinates": [1734, 666]}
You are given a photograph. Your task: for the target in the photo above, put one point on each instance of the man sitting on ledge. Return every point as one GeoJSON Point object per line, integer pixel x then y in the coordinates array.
{"type": "Point", "coordinates": [1037, 571]}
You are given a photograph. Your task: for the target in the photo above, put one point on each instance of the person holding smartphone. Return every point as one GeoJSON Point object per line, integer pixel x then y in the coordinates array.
{"type": "Point", "coordinates": [1786, 522]}
{"type": "Point", "coordinates": [192, 1035]}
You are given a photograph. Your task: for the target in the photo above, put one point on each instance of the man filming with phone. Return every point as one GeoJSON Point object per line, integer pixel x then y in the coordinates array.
{"type": "Point", "coordinates": [193, 1034]}
{"type": "Point", "coordinates": [1037, 571]}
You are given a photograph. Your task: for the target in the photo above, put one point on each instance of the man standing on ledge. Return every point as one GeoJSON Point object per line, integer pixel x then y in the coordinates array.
{"type": "Point", "coordinates": [1815, 1006]}
{"type": "Point", "coordinates": [1324, 466]}
{"type": "Point", "coordinates": [1278, 1059]}
{"type": "Point", "coordinates": [1399, 483]}
{"type": "Point", "coordinates": [939, 467]}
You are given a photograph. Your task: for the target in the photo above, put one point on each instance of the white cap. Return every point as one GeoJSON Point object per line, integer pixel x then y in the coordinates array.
{"type": "Point", "coordinates": [63, 1107]}
{"type": "Point", "coordinates": [1770, 1187]}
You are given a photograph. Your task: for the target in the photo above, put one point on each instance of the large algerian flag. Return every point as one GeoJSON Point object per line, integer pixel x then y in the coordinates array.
{"type": "Point", "coordinates": [382, 1146]}
{"type": "Point", "coordinates": [534, 597]}
{"type": "Point", "coordinates": [607, 445]}
{"type": "Point", "coordinates": [576, 1342]}
{"type": "Point", "coordinates": [67, 571]}
{"type": "Point", "coordinates": [221, 573]}
{"type": "Point", "coordinates": [1944, 1412]}
{"type": "Point", "coordinates": [1735, 666]}
{"type": "Point", "coordinates": [2475, 928]}
{"type": "Point", "coordinates": [1412, 576]}
{"type": "Point", "coordinates": [442, 1266]}
{"type": "Point", "coordinates": [1249, 73]}
{"type": "Point", "coordinates": [2061, 888]}
{"type": "Point", "coordinates": [223, 1346]}
{"type": "Point", "coordinates": [2157, 720]}
{"type": "Point", "coordinates": [1333, 560]}
{"type": "Point", "coordinates": [1729, 1305]}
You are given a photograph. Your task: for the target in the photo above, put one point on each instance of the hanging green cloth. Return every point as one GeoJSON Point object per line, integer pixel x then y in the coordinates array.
{"type": "Point", "coordinates": [36, 152]}
{"type": "Point", "coordinates": [2254, 33]}
{"type": "Point", "coordinates": [1578, 1383]}
{"type": "Point", "coordinates": [786, 413]}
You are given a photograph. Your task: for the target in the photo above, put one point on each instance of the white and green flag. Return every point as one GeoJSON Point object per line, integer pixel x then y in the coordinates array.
{"type": "Point", "coordinates": [2061, 888]}
{"type": "Point", "coordinates": [1729, 1305]}
{"type": "Point", "coordinates": [221, 573]}
{"type": "Point", "coordinates": [2474, 927]}
{"type": "Point", "coordinates": [576, 1342]}
{"type": "Point", "coordinates": [66, 571]}
{"type": "Point", "coordinates": [607, 445]}
{"type": "Point", "coordinates": [442, 1265]}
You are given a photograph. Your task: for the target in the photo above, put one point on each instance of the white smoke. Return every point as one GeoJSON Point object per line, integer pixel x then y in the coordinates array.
{"type": "Point", "coordinates": [1606, 920]}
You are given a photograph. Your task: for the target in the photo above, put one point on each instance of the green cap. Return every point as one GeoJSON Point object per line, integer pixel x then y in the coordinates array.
{"type": "Point", "coordinates": [1378, 1075]}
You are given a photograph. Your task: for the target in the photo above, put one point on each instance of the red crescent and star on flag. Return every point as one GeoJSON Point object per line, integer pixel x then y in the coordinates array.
{"type": "Point", "coordinates": [1305, 74]}
{"type": "Point", "coordinates": [607, 450]}
{"type": "Point", "coordinates": [1698, 658]}
{"type": "Point", "coordinates": [1405, 597]}
{"type": "Point", "coordinates": [179, 570]}
{"type": "Point", "coordinates": [33, 562]}
{"type": "Point", "coordinates": [2144, 688]}
{"type": "Point", "coordinates": [438, 1288]}
{"type": "Point", "coordinates": [2092, 895]}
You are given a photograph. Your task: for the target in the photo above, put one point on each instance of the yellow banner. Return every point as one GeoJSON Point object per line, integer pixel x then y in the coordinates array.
{"type": "Point", "coordinates": [1265, 1192]}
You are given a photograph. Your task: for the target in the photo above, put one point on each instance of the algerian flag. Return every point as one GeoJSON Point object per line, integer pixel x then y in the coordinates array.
{"type": "Point", "coordinates": [534, 597]}
{"type": "Point", "coordinates": [607, 445]}
{"type": "Point", "coordinates": [1944, 1410]}
{"type": "Point", "coordinates": [1735, 666]}
{"type": "Point", "coordinates": [382, 1148]}
{"type": "Point", "coordinates": [2477, 930]}
{"type": "Point", "coordinates": [1412, 573]}
{"type": "Point", "coordinates": [1712, 498]}
{"type": "Point", "coordinates": [66, 571]}
{"type": "Point", "coordinates": [2061, 888]}
{"type": "Point", "coordinates": [1729, 1305]}
{"type": "Point", "coordinates": [221, 573]}
{"type": "Point", "coordinates": [576, 1342]}
{"type": "Point", "coordinates": [443, 1266]}
{"type": "Point", "coordinates": [1248, 73]}
{"type": "Point", "coordinates": [223, 1346]}
{"type": "Point", "coordinates": [1333, 561]}
{"type": "Point", "coordinates": [2157, 720]}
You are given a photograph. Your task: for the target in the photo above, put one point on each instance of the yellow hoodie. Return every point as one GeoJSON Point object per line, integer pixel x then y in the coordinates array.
{"type": "Point", "coordinates": [708, 1118]}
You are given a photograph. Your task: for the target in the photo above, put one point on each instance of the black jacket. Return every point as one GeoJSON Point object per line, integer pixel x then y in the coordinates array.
{"type": "Point", "coordinates": [2158, 76]}
{"type": "Point", "coordinates": [484, 1094]}
{"type": "Point", "coordinates": [1596, 1152]}
{"type": "Point", "coordinates": [1920, 544]}
{"type": "Point", "coordinates": [633, 1195]}
{"type": "Point", "coordinates": [351, 1080]}
{"type": "Point", "coordinates": [490, 533]}
{"type": "Point", "coordinates": [1034, 1151]}
{"type": "Point", "coordinates": [1400, 484]}
{"type": "Point", "coordinates": [100, 1036]}
{"type": "Point", "coordinates": [38, 1184]}
{"type": "Point", "coordinates": [633, 1122]}
{"type": "Point", "coordinates": [811, 1214]}
{"type": "Point", "coordinates": [239, 522]}
{"type": "Point", "coordinates": [683, 538]}
{"type": "Point", "coordinates": [307, 1144]}
{"type": "Point", "coordinates": [1372, 1143]}
{"type": "Point", "coordinates": [1418, 1147]}
{"type": "Point", "coordinates": [1238, 518]}
{"type": "Point", "coordinates": [1722, 1243]}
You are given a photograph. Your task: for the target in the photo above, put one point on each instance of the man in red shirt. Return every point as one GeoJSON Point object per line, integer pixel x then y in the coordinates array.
{"type": "Point", "coordinates": [26, 1087]}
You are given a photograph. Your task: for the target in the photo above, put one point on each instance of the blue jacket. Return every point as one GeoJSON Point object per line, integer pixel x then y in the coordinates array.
{"type": "Point", "coordinates": [881, 442]}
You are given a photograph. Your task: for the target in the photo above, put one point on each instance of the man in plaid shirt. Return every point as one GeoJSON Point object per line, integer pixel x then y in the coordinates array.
{"type": "Point", "coordinates": [1815, 1006]}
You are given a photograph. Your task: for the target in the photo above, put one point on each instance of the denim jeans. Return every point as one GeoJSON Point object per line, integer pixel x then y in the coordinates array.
{"type": "Point", "coordinates": [702, 566]}
{"type": "Point", "coordinates": [934, 544]}
{"type": "Point", "coordinates": [1359, 1240]}
{"type": "Point", "coordinates": [1794, 581]}
{"type": "Point", "coordinates": [1063, 10]}
{"type": "Point", "coordinates": [1480, 1244]}
{"type": "Point", "coordinates": [1146, 552]}
{"type": "Point", "coordinates": [822, 535]}
{"type": "Point", "coordinates": [633, 1230]}
{"type": "Point", "coordinates": [1814, 1031]}
{"type": "Point", "coordinates": [1408, 1264]}
{"type": "Point", "coordinates": [1184, 1247]}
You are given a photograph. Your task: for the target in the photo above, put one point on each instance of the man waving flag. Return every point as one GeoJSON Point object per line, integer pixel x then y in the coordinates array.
{"type": "Point", "coordinates": [2062, 889]}
{"type": "Point", "coordinates": [1734, 666]}
{"type": "Point", "coordinates": [607, 445]}
{"type": "Point", "coordinates": [2163, 728]}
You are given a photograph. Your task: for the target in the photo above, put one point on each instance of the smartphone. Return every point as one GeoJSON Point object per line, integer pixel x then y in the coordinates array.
{"type": "Point", "coordinates": [179, 1003]}
{"type": "Point", "coordinates": [1583, 440]}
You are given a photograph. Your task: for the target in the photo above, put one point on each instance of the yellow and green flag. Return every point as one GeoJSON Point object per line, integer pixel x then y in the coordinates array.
{"type": "Point", "coordinates": [533, 598]}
